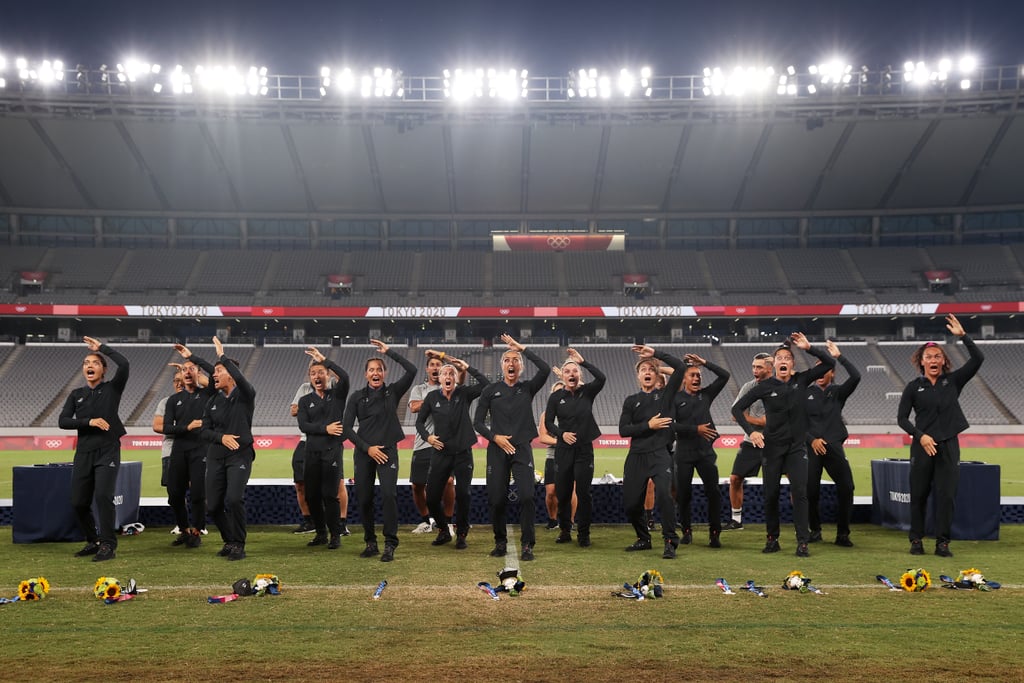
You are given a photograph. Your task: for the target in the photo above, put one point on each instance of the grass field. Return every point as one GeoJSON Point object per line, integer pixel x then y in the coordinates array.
{"type": "Point", "coordinates": [274, 464]}
{"type": "Point", "coordinates": [433, 624]}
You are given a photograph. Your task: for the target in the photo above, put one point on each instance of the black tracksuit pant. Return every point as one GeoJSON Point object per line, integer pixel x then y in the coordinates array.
{"type": "Point", "coordinates": [501, 466]}
{"type": "Point", "coordinates": [322, 474]}
{"type": "Point", "coordinates": [445, 464]}
{"type": "Point", "coordinates": [225, 492]}
{"type": "Point", "coordinates": [790, 458]}
{"type": "Point", "coordinates": [94, 477]}
{"type": "Point", "coordinates": [705, 462]}
{"type": "Point", "coordinates": [938, 474]}
{"type": "Point", "coordinates": [366, 471]}
{"type": "Point", "coordinates": [186, 472]}
{"type": "Point", "coordinates": [574, 465]}
{"type": "Point", "coordinates": [838, 467]}
{"type": "Point", "coordinates": [638, 468]}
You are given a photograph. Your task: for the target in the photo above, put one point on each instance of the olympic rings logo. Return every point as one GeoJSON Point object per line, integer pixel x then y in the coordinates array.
{"type": "Point", "coordinates": [729, 441]}
{"type": "Point", "coordinates": [54, 443]}
{"type": "Point", "coordinates": [264, 443]}
{"type": "Point", "coordinates": [559, 242]}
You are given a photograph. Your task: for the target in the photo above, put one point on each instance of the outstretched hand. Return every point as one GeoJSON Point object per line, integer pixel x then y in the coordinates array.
{"type": "Point", "coordinates": [954, 326]}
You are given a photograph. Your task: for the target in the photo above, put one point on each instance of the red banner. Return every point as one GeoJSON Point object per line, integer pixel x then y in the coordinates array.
{"type": "Point", "coordinates": [559, 241]}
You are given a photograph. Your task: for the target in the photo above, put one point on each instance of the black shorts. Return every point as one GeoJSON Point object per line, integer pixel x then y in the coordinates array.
{"type": "Point", "coordinates": [549, 471]}
{"type": "Point", "coordinates": [299, 462]}
{"type": "Point", "coordinates": [748, 461]}
{"type": "Point", "coordinates": [419, 468]}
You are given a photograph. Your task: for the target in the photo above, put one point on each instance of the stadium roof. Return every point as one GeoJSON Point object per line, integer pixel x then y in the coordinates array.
{"type": "Point", "coordinates": [140, 155]}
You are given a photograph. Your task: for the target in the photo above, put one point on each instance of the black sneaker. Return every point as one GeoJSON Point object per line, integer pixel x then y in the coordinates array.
{"type": "Point", "coordinates": [460, 542]}
{"type": "Point", "coordinates": [564, 537]}
{"type": "Point", "coordinates": [639, 544]}
{"type": "Point", "coordinates": [815, 537]}
{"type": "Point", "coordinates": [225, 551]}
{"type": "Point", "coordinates": [714, 539]}
{"type": "Point", "coordinates": [105, 552]}
{"type": "Point", "coordinates": [583, 540]}
{"type": "Point", "coordinates": [237, 552]}
{"type": "Point", "coordinates": [319, 539]}
{"type": "Point", "coordinates": [527, 554]}
{"type": "Point", "coordinates": [344, 530]}
{"type": "Point", "coordinates": [89, 549]}
{"type": "Point", "coordinates": [802, 551]}
{"type": "Point", "coordinates": [389, 553]}
{"type": "Point", "coordinates": [942, 549]}
{"type": "Point", "coordinates": [306, 527]}
{"type": "Point", "coordinates": [500, 549]}
{"type": "Point", "coordinates": [687, 538]}
{"type": "Point", "coordinates": [180, 539]}
{"type": "Point", "coordinates": [193, 539]}
{"type": "Point", "coordinates": [370, 550]}
{"type": "Point", "coordinates": [443, 536]}
{"type": "Point", "coordinates": [844, 541]}
{"type": "Point", "coordinates": [771, 545]}
{"type": "Point", "coordinates": [552, 524]}
{"type": "Point", "coordinates": [650, 522]}
{"type": "Point", "coordinates": [334, 543]}
{"type": "Point", "coordinates": [916, 547]}
{"type": "Point", "coordinates": [670, 550]}
{"type": "Point", "coordinates": [731, 525]}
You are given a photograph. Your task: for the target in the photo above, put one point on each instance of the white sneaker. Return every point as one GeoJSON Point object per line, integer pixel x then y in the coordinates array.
{"type": "Point", "coordinates": [176, 531]}
{"type": "Point", "coordinates": [203, 532]}
{"type": "Point", "coordinates": [451, 530]}
{"type": "Point", "coordinates": [423, 528]}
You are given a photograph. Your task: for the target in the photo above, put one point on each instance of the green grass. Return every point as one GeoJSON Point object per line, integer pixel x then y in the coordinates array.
{"type": "Point", "coordinates": [276, 464]}
{"type": "Point", "coordinates": [432, 623]}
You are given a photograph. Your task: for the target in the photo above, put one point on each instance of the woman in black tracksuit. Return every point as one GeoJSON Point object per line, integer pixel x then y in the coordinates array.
{"type": "Point", "coordinates": [935, 448]}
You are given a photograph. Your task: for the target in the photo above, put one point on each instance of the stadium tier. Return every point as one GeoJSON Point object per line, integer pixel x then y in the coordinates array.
{"type": "Point", "coordinates": [76, 275]}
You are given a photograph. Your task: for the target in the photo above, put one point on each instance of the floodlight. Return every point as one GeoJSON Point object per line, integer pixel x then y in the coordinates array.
{"type": "Point", "coordinates": [945, 64]}
{"type": "Point", "coordinates": [157, 88]}
{"type": "Point", "coordinates": [626, 82]}
{"type": "Point", "coordinates": [968, 63]}
{"type": "Point", "coordinates": [965, 84]}
{"type": "Point", "coordinates": [811, 89]}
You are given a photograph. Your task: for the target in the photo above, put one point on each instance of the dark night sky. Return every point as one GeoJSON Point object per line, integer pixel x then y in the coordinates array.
{"type": "Point", "coordinates": [549, 38]}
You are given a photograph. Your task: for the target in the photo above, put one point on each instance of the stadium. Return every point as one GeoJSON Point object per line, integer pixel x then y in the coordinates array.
{"type": "Point", "coordinates": [712, 213]}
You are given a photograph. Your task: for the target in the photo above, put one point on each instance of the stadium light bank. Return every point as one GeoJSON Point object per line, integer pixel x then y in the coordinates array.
{"type": "Point", "coordinates": [832, 77]}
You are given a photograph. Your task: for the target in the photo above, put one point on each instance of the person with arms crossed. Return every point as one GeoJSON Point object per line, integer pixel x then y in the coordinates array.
{"type": "Point", "coordinates": [92, 411]}
{"type": "Point", "coordinates": [375, 406]}
{"type": "Point", "coordinates": [508, 403]}
{"type": "Point", "coordinates": [934, 398]}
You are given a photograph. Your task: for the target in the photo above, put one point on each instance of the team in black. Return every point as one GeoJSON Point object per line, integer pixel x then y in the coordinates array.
{"type": "Point", "coordinates": [668, 422]}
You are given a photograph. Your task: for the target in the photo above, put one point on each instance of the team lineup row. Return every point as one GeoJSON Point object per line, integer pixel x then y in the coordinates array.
{"type": "Point", "coordinates": [792, 420]}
